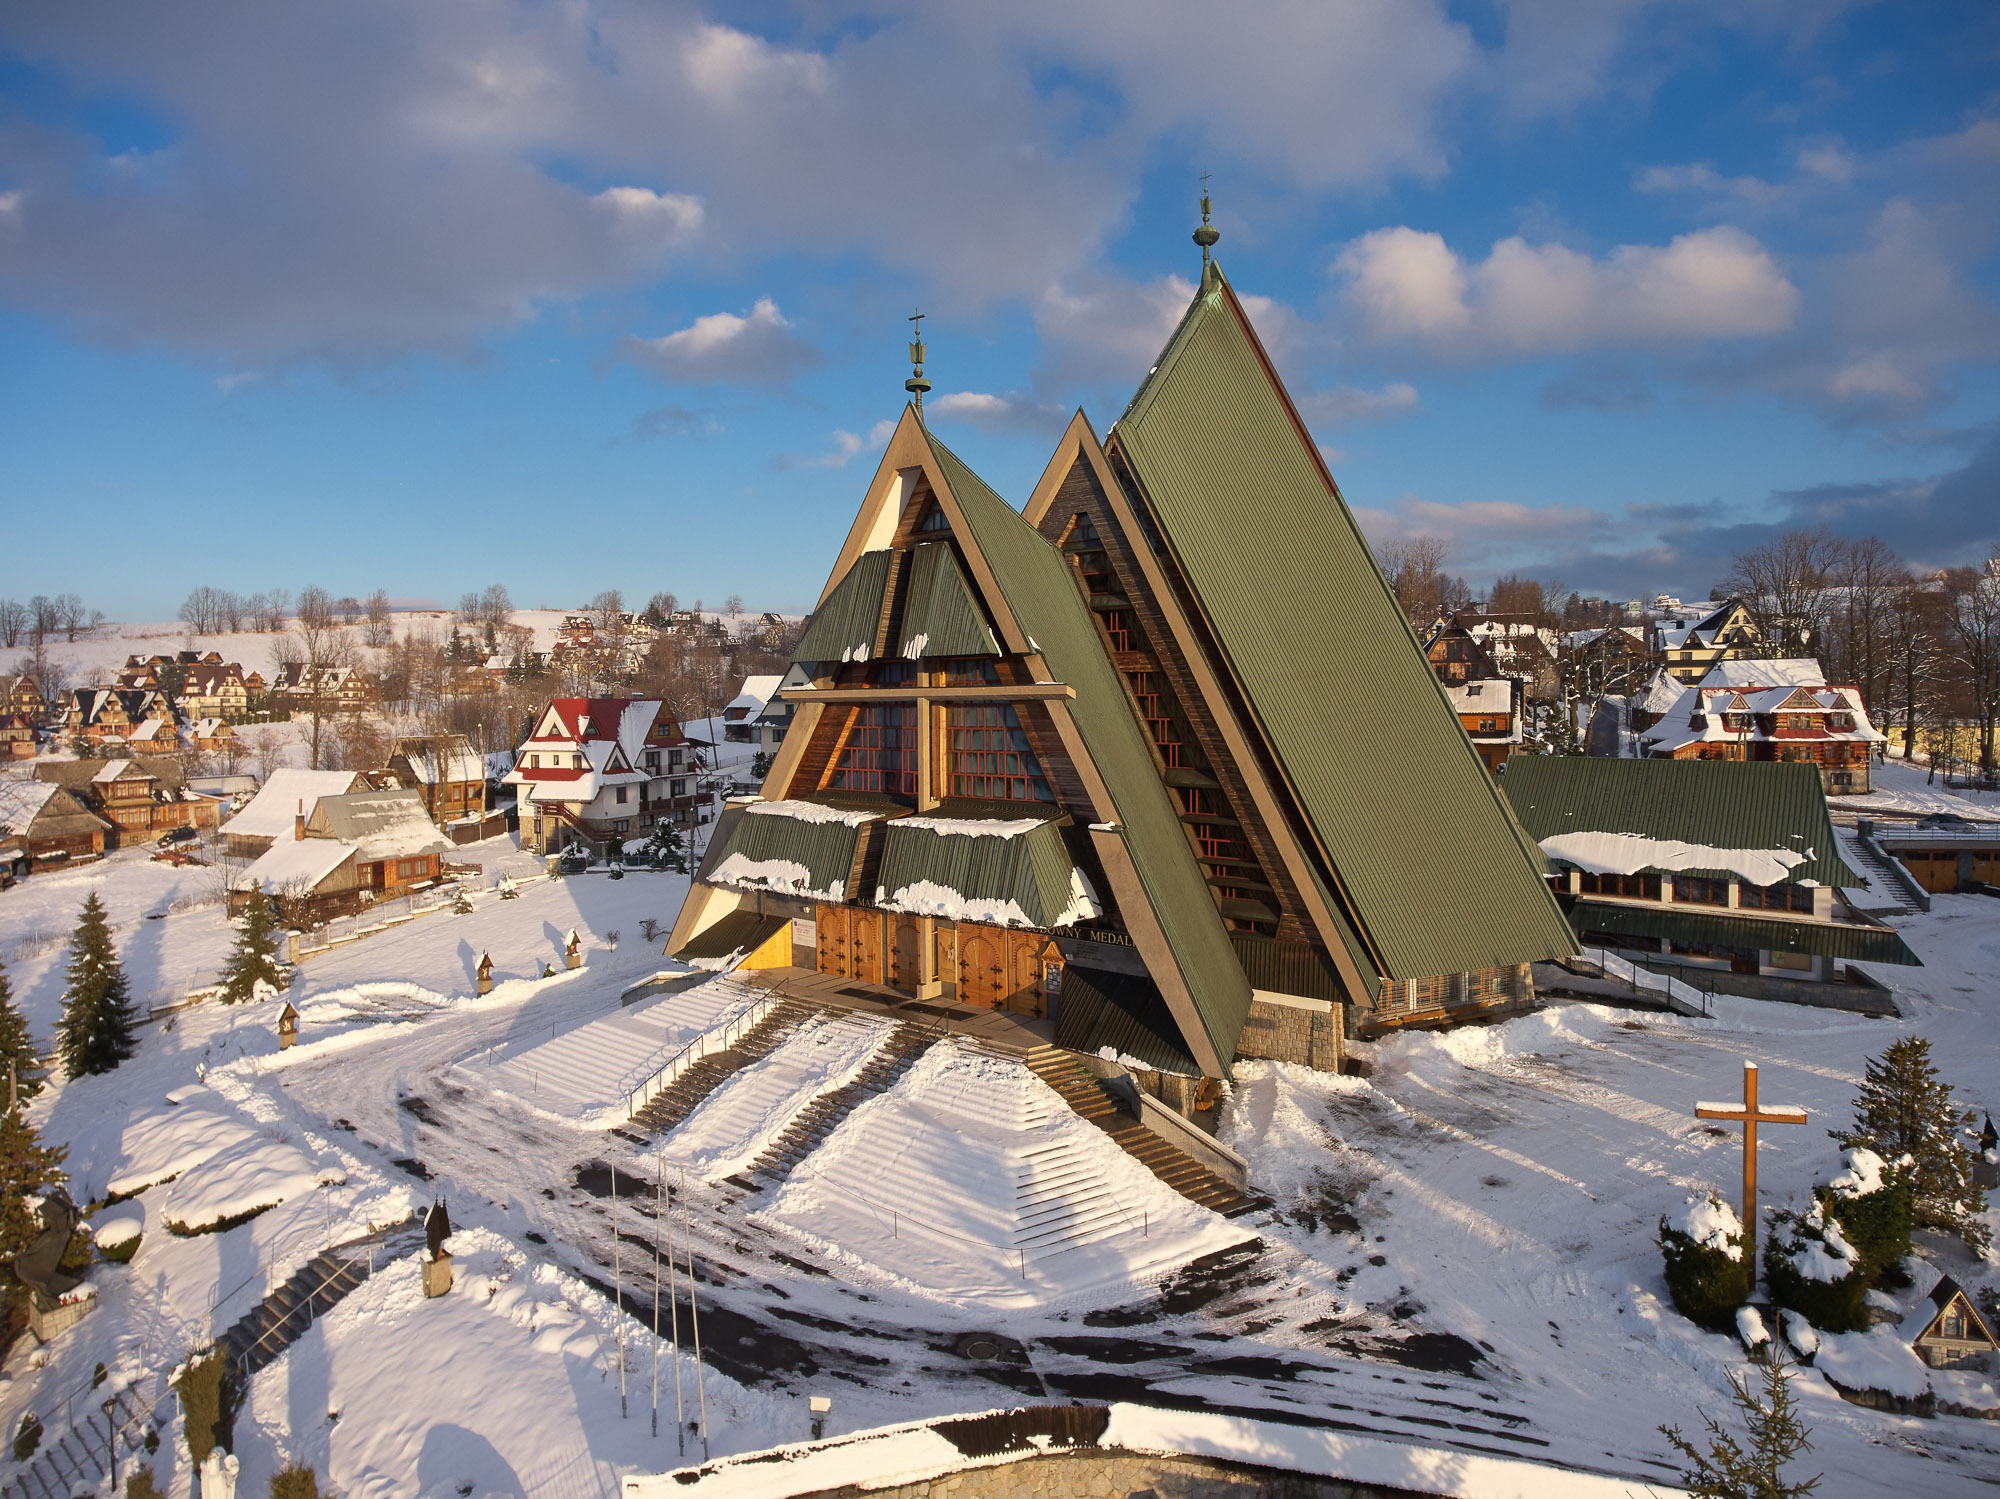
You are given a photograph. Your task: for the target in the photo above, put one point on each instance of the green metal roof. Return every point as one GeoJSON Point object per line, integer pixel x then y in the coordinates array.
{"type": "Point", "coordinates": [1732, 804]}
{"type": "Point", "coordinates": [1019, 880]}
{"type": "Point", "coordinates": [1043, 596]}
{"type": "Point", "coordinates": [1285, 969]}
{"type": "Point", "coordinates": [1098, 1008]}
{"type": "Point", "coordinates": [1438, 874]}
{"type": "Point", "coordinates": [784, 855]}
{"type": "Point", "coordinates": [1864, 944]}
{"type": "Point", "coordinates": [843, 628]}
{"type": "Point", "coordinates": [738, 932]}
{"type": "Point", "coordinates": [941, 617]}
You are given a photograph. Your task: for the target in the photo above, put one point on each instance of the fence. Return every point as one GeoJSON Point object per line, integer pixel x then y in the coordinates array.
{"type": "Point", "coordinates": [394, 913]}
{"type": "Point", "coordinates": [1680, 996]}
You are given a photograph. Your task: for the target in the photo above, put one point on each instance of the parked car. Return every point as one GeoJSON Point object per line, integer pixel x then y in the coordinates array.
{"type": "Point", "coordinates": [1944, 820]}
{"type": "Point", "coordinates": [176, 837]}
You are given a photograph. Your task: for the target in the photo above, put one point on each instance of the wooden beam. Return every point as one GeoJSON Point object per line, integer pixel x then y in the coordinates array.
{"type": "Point", "coordinates": [911, 692]}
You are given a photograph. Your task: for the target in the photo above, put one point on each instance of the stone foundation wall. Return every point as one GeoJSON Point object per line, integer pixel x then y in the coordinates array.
{"type": "Point", "coordinates": [1113, 1475]}
{"type": "Point", "coordinates": [1285, 1033]}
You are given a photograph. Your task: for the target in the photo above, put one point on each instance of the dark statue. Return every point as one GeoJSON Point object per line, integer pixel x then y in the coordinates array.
{"type": "Point", "coordinates": [39, 1266]}
{"type": "Point", "coordinates": [437, 1228]}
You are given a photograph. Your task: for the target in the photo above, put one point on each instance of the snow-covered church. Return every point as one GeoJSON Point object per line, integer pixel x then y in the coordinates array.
{"type": "Point", "coordinates": [1153, 763]}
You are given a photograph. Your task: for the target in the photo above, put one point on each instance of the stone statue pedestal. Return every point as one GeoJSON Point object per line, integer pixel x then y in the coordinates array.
{"type": "Point", "coordinates": [437, 1275]}
{"type": "Point", "coordinates": [47, 1326]}
{"type": "Point", "coordinates": [218, 1475]}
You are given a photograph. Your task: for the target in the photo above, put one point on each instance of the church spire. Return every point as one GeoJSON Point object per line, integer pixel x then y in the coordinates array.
{"type": "Point", "coordinates": [1207, 234]}
{"type": "Point", "coordinates": [916, 385]}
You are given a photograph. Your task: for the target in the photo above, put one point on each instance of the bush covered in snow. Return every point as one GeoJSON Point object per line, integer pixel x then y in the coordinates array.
{"type": "Point", "coordinates": [295, 1481]}
{"type": "Point", "coordinates": [1906, 1109]}
{"type": "Point", "coordinates": [1870, 1200]}
{"type": "Point", "coordinates": [209, 1399]}
{"type": "Point", "coordinates": [1708, 1272]}
{"type": "Point", "coordinates": [1811, 1268]}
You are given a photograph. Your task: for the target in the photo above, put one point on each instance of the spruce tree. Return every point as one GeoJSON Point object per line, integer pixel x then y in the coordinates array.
{"type": "Point", "coordinates": [26, 1167]}
{"type": "Point", "coordinates": [1906, 1110]}
{"type": "Point", "coordinates": [95, 1032]}
{"type": "Point", "coordinates": [1777, 1434]}
{"type": "Point", "coordinates": [254, 960]}
{"type": "Point", "coordinates": [16, 1046]}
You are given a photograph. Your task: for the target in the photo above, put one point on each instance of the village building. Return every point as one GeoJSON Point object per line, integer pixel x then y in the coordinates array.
{"type": "Point", "coordinates": [309, 880]}
{"type": "Point", "coordinates": [142, 798]}
{"type": "Point", "coordinates": [211, 734]}
{"type": "Point", "coordinates": [1613, 660]}
{"type": "Point", "coordinates": [154, 736]}
{"type": "Point", "coordinates": [214, 689]}
{"type": "Point", "coordinates": [17, 736]}
{"type": "Point", "coordinates": [1948, 1331]}
{"type": "Point", "coordinates": [1519, 647]}
{"type": "Point", "coordinates": [256, 691]}
{"type": "Point", "coordinates": [1731, 867]}
{"type": "Point", "coordinates": [21, 695]}
{"type": "Point", "coordinates": [1060, 763]}
{"type": "Point", "coordinates": [1943, 855]}
{"type": "Point", "coordinates": [1768, 710]}
{"type": "Point", "coordinates": [53, 826]}
{"type": "Point", "coordinates": [595, 769]}
{"type": "Point", "coordinates": [446, 771]}
{"type": "Point", "coordinates": [95, 715]}
{"type": "Point", "coordinates": [288, 794]}
{"type": "Point", "coordinates": [1457, 655]}
{"type": "Point", "coordinates": [396, 845]}
{"type": "Point", "coordinates": [740, 716]}
{"type": "Point", "coordinates": [1690, 646]}
{"type": "Point", "coordinates": [333, 689]}
{"type": "Point", "coordinates": [1490, 713]}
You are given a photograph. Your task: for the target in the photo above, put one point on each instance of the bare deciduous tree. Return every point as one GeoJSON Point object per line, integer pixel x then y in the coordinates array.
{"type": "Point", "coordinates": [495, 606]}
{"type": "Point", "coordinates": [378, 629]}
{"type": "Point", "coordinates": [49, 675]}
{"type": "Point", "coordinates": [1784, 585]}
{"type": "Point", "coordinates": [468, 609]}
{"type": "Point", "coordinates": [316, 648]}
{"type": "Point", "coordinates": [202, 611]}
{"type": "Point", "coordinates": [14, 622]}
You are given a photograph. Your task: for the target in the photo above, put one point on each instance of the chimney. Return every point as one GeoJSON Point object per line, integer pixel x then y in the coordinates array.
{"type": "Point", "coordinates": [299, 823]}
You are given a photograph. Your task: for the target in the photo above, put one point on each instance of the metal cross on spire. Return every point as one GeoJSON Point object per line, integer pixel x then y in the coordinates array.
{"type": "Point", "coordinates": [1207, 234]}
{"type": "Point", "coordinates": [1750, 1115]}
{"type": "Point", "coordinates": [916, 385]}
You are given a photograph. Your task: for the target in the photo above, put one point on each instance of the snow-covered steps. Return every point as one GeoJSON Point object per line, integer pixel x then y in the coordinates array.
{"type": "Point", "coordinates": [827, 1052]}
{"type": "Point", "coordinates": [1081, 1090]}
{"type": "Point", "coordinates": [819, 1118]}
{"type": "Point", "coordinates": [587, 1073]}
{"type": "Point", "coordinates": [264, 1332]}
{"type": "Point", "coordinates": [687, 1091]}
{"type": "Point", "coordinates": [970, 1179]}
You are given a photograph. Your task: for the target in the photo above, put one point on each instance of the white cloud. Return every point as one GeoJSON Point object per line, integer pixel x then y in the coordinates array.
{"type": "Point", "coordinates": [1489, 535]}
{"type": "Point", "coordinates": [1405, 284]}
{"type": "Point", "coordinates": [229, 384]}
{"type": "Point", "coordinates": [1701, 178]}
{"type": "Point", "coordinates": [664, 220]}
{"type": "Point", "coordinates": [1012, 411]}
{"type": "Point", "coordinates": [1350, 403]}
{"type": "Point", "coordinates": [1107, 327]}
{"type": "Point", "coordinates": [756, 348]}
{"type": "Point", "coordinates": [846, 446]}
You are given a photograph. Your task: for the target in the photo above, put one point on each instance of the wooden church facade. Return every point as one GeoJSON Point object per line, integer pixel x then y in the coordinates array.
{"type": "Point", "coordinates": [1115, 761]}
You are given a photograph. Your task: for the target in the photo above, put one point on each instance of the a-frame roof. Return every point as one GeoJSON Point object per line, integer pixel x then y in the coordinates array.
{"type": "Point", "coordinates": [1417, 838]}
{"type": "Point", "coordinates": [1038, 613]}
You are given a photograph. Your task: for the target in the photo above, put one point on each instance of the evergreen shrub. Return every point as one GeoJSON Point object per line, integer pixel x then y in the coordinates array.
{"type": "Point", "coordinates": [295, 1481]}
{"type": "Point", "coordinates": [1870, 1200]}
{"type": "Point", "coordinates": [1707, 1265]}
{"type": "Point", "coordinates": [139, 1484]}
{"type": "Point", "coordinates": [209, 1400]}
{"type": "Point", "coordinates": [1906, 1109]}
{"type": "Point", "coordinates": [27, 1437]}
{"type": "Point", "coordinates": [1810, 1268]}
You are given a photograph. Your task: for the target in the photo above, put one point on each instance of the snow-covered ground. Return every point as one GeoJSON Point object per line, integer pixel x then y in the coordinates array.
{"type": "Point", "coordinates": [1898, 786]}
{"type": "Point", "coordinates": [1460, 1254]}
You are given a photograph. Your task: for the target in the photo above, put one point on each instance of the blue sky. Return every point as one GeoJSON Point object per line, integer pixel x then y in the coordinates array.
{"type": "Point", "coordinates": [612, 295]}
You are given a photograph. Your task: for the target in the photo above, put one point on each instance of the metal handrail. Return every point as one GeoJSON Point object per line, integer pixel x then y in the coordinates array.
{"type": "Point", "coordinates": [659, 1080]}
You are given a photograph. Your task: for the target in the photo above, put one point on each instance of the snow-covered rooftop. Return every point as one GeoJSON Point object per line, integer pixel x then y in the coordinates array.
{"type": "Point", "coordinates": [21, 802]}
{"type": "Point", "coordinates": [1774, 673]}
{"type": "Point", "coordinates": [272, 809]}
{"type": "Point", "coordinates": [293, 864]}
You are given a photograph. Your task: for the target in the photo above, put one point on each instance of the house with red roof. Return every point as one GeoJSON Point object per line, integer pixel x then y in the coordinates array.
{"type": "Point", "coordinates": [594, 769]}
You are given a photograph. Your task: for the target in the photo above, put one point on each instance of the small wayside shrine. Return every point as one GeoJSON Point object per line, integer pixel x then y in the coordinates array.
{"type": "Point", "coordinates": [1157, 764]}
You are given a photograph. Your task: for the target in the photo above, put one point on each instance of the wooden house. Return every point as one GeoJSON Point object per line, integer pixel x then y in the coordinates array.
{"type": "Point", "coordinates": [446, 771]}
{"type": "Point", "coordinates": [96, 714]}
{"type": "Point", "coordinates": [280, 806]}
{"type": "Point", "coordinates": [396, 845]}
{"type": "Point", "coordinates": [51, 823]}
{"type": "Point", "coordinates": [1060, 762]}
{"type": "Point", "coordinates": [215, 689]}
{"type": "Point", "coordinates": [1946, 856]}
{"type": "Point", "coordinates": [1691, 646]}
{"type": "Point", "coordinates": [309, 880]}
{"type": "Point", "coordinates": [211, 734]}
{"type": "Point", "coordinates": [21, 695]}
{"type": "Point", "coordinates": [154, 736]}
{"type": "Point", "coordinates": [256, 691]}
{"type": "Point", "coordinates": [1947, 1331]}
{"type": "Point", "coordinates": [1490, 713]}
{"type": "Point", "coordinates": [141, 797]}
{"type": "Point", "coordinates": [17, 736]}
{"type": "Point", "coordinates": [1770, 710]}
{"type": "Point", "coordinates": [1457, 655]}
{"type": "Point", "coordinates": [1730, 867]}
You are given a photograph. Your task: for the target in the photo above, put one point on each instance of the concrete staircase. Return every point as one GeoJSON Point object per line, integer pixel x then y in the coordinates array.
{"type": "Point", "coordinates": [1891, 884]}
{"type": "Point", "coordinates": [685, 1094]}
{"type": "Point", "coordinates": [820, 1117]}
{"type": "Point", "coordinates": [1090, 1099]}
{"type": "Point", "coordinates": [322, 1283]}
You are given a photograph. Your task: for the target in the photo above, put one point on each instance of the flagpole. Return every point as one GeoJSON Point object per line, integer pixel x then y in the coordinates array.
{"type": "Point", "coordinates": [674, 1313]}
{"type": "Point", "coordinates": [660, 1168]}
{"type": "Point", "coordinates": [617, 1286]}
{"type": "Point", "coordinates": [694, 1312]}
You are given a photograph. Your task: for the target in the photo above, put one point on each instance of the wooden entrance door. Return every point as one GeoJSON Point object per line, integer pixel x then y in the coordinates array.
{"type": "Point", "coordinates": [1024, 972]}
{"type": "Point", "coordinates": [906, 954]}
{"type": "Point", "coordinates": [867, 947]}
{"type": "Point", "coordinates": [832, 929]}
{"type": "Point", "coordinates": [982, 968]}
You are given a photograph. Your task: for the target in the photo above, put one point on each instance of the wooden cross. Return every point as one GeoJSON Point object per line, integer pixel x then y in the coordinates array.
{"type": "Point", "coordinates": [1750, 1116]}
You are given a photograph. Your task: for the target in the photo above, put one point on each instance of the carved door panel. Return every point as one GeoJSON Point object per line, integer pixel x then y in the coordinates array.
{"type": "Point", "coordinates": [1024, 972]}
{"type": "Point", "coordinates": [982, 968]}
{"type": "Point", "coordinates": [906, 955]}
{"type": "Point", "coordinates": [867, 965]}
{"type": "Point", "coordinates": [833, 955]}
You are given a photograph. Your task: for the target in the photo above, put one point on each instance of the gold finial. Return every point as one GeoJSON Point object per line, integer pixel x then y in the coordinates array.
{"type": "Point", "coordinates": [916, 385]}
{"type": "Point", "coordinates": [1207, 234]}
